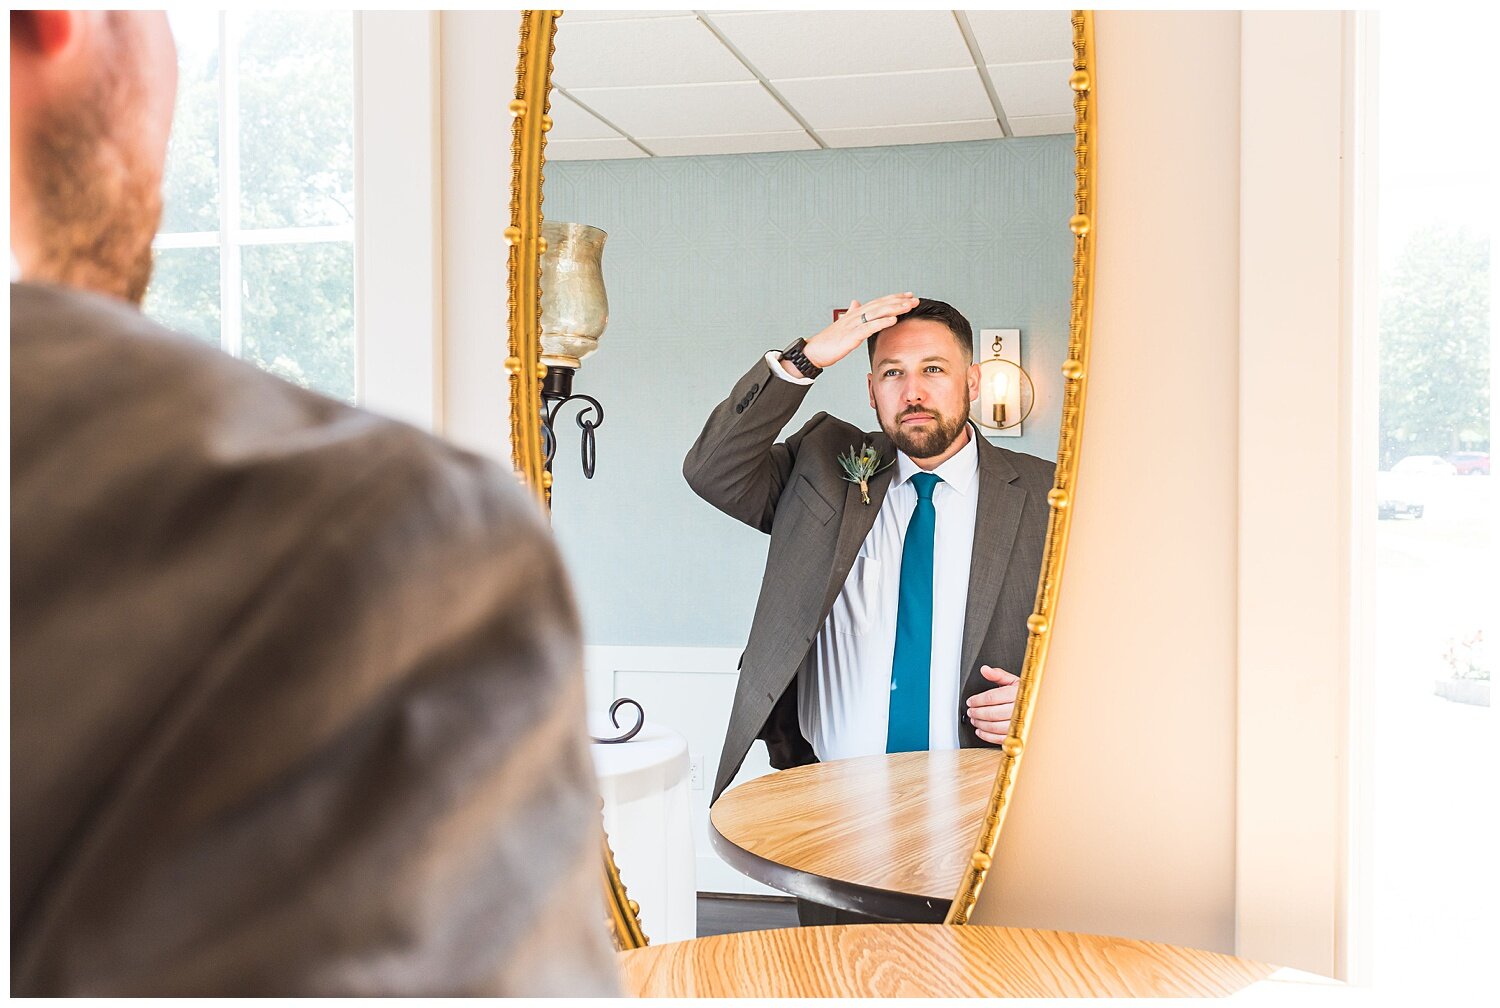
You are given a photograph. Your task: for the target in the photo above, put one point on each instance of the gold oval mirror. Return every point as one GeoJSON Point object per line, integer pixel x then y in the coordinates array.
{"type": "Point", "coordinates": [745, 198]}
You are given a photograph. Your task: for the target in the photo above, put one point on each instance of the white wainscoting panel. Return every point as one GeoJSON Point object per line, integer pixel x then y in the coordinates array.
{"type": "Point", "coordinates": [690, 690]}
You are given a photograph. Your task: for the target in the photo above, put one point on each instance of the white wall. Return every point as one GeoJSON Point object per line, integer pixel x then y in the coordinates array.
{"type": "Point", "coordinates": [1298, 484]}
{"type": "Point", "coordinates": [1123, 818]}
{"type": "Point", "coordinates": [398, 262]}
{"type": "Point", "coordinates": [478, 81]}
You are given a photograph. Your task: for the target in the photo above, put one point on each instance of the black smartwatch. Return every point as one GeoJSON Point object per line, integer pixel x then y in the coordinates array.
{"type": "Point", "coordinates": [794, 356]}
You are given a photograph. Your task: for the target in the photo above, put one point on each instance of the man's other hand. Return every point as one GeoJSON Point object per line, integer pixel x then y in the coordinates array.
{"type": "Point", "coordinates": [990, 711]}
{"type": "Point", "coordinates": [855, 326]}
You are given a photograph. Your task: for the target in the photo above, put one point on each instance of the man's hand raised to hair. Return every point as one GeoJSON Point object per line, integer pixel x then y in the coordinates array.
{"type": "Point", "coordinates": [852, 328]}
{"type": "Point", "coordinates": [990, 711]}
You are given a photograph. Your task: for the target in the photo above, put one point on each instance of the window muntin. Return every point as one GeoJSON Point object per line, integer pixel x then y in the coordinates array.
{"type": "Point", "coordinates": [256, 248]}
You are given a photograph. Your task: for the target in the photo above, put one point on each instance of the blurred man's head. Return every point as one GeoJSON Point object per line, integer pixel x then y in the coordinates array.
{"type": "Point", "coordinates": [922, 380]}
{"type": "Point", "coordinates": [91, 95]}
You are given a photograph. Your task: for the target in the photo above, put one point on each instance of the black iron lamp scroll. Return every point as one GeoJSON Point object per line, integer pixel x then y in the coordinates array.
{"type": "Point", "coordinates": [630, 733]}
{"type": "Point", "coordinates": [557, 392]}
{"type": "Point", "coordinates": [575, 312]}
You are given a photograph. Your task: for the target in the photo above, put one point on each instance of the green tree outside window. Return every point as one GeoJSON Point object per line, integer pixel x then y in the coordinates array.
{"type": "Point", "coordinates": [290, 78]}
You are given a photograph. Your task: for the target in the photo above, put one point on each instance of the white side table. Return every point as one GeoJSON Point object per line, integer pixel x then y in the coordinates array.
{"type": "Point", "coordinates": [647, 813]}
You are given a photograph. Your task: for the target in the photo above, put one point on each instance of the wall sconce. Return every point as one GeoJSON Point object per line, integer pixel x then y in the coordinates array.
{"type": "Point", "coordinates": [575, 312]}
{"type": "Point", "coordinates": [1006, 393]}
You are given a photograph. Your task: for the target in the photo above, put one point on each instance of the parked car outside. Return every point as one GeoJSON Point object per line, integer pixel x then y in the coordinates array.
{"type": "Point", "coordinates": [1403, 490]}
{"type": "Point", "coordinates": [1424, 465]}
{"type": "Point", "coordinates": [1471, 463]}
{"type": "Point", "coordinates": [1399, 495]}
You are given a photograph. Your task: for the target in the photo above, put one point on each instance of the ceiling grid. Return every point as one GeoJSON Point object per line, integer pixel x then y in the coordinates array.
{"type": "Point", "coordinates": [673, 83]}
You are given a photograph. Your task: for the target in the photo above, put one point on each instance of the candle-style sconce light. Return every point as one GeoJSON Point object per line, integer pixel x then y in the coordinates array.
{"type": "Point", "coordinates": [575, 312]}
{"type": "Point", "coordinates": [1006, 392]}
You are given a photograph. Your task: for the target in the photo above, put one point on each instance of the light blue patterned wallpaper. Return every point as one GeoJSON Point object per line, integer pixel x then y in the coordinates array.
{"type": "Point", "coordinates": [710, 262]}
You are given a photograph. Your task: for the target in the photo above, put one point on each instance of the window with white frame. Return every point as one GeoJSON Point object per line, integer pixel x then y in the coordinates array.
{"type": "Point", "coordinates": [1435, 823]}
{"type": "Point", "coordinates": [256, 248]}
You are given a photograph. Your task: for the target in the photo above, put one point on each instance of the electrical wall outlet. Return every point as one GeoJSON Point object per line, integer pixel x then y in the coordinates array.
{"type": "Point", "coordinates": [695, 772]}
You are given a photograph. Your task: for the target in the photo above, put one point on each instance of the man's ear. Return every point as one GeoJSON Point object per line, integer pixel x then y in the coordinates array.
{"type": "Point", "coordinates": [45, 33]}
{"type": "Point", "coordinates": [870, 384]}
{"type": "Point", "coordinates": [973, 383]}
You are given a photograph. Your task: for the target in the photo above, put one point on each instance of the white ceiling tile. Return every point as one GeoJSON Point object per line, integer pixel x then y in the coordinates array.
{"type": "Point", "coordinates": [1023, 36]}
{"type": "Point", "coordinates": [690, 109]}
{"type": "Point", "coordinates": [735, 143]}
{"type": "Point", "coordinates": [1046, 125]}
{"type": "Point", "coordinates": [469, 20]}
{"type": "Point", "coordinates": [591, 150]}
{"type": "Point", "coordinates": [1033, 89]}
{"type": "Point", "coordinates": [883, 99]}
{"type": "Point", "coordinates": [642, 53]}
{"type": "Point", "coordinates": [569, 122]}
{"type": "Point", "coordinates": [578, 16]}
{"type": "Point", "coordinates": [891, 136]}
{"type": "Point", "coordinates": [840, 43]}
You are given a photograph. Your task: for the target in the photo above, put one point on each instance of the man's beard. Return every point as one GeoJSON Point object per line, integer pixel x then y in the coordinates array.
{"type": "Point", "coordinates": [96, 197]}
{"type": "Point", "coordinates": [928, 440]}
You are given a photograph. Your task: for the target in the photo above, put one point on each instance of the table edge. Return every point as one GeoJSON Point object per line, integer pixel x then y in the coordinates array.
{"type": "Point", "coordinates": [889, 905]}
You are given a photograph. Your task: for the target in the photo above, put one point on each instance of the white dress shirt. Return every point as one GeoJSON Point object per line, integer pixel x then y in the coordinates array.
{"type": "Point", "coordinates": [845, 709]}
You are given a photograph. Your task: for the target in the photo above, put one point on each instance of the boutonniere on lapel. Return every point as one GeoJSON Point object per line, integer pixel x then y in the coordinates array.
{"type": "Point", "coordinates": [860, 466]}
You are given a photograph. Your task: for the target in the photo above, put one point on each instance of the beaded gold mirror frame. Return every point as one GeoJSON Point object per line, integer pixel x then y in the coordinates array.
{"type": "Point", "coordinates": [1061, 497]}
{"type": "Point", "coordinates": [530, 123]}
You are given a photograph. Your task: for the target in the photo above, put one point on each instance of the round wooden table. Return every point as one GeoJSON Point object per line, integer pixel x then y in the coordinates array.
{"type": "Point", "coordinates": [936, 960]}
{"type": "Point", "coordinates": [887, 835]}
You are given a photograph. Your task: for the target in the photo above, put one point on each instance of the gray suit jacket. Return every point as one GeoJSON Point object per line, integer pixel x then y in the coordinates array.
{"type": "Point", "coordinates": [296, 691]}
{"type": "Point", "coordinates": [796, 491]}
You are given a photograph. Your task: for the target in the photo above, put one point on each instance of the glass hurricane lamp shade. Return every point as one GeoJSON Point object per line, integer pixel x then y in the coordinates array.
{"type": "Point", "coordinates": [1006, 394]}
{"type": "Point", "coordinates": [575, 309]}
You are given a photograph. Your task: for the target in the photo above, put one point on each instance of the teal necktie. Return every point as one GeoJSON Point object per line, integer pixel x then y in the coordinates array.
{"type": "Point", "coordinates": [911, 667]}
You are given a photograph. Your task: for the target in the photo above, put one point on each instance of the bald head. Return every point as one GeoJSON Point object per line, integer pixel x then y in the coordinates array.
{"type": "Point", "coordinates": [91, 95]}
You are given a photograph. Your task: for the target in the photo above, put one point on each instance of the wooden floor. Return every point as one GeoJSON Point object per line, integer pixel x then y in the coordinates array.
{"type": "Point", "coordinates": [726, 914]}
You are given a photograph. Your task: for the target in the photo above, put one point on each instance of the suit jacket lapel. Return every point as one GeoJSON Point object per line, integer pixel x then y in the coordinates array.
{"type": "Point", "coordinates": [995, 526]}
{"type": "Point", "coordinates": [857, 520]}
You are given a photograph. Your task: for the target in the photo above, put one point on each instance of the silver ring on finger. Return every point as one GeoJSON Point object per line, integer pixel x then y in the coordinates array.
{"type": "Point", "coordinates": [863, 319]}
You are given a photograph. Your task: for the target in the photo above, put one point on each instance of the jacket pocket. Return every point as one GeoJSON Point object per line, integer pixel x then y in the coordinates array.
{"type": "Point", "coordinates": [813, 500]}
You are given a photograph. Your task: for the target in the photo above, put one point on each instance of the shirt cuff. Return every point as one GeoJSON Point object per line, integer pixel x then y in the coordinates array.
{"type": "Point", "coordinates": [773, 359]}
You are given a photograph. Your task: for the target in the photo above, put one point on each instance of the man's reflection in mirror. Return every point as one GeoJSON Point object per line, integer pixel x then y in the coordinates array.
{"type": "Point", "coordinates": [903, 562]}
